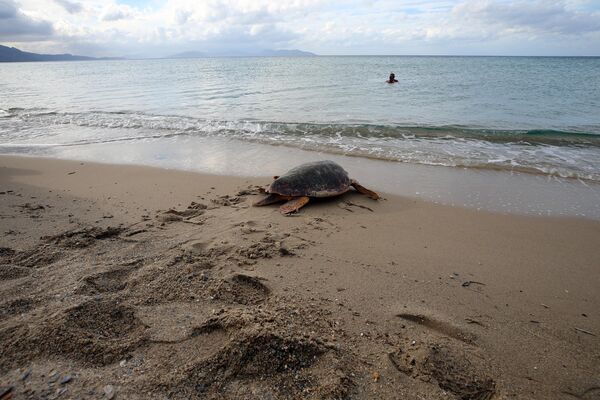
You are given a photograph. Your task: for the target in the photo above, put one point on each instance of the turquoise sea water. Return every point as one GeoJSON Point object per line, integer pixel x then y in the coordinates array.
{"type": "Point", "coordinates": [538, 115]}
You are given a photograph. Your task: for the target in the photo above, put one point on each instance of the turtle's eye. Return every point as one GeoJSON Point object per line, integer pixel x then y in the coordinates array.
{"type": "Point", "coordinates": [276, 177]}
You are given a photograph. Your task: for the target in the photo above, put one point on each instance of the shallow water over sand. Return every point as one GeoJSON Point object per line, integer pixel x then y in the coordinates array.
{"type": "Point", "coordinates": [500, 191]}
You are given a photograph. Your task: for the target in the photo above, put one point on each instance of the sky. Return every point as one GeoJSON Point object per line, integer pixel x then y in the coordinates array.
{"type": "Point", "coordinates": [159, 28]}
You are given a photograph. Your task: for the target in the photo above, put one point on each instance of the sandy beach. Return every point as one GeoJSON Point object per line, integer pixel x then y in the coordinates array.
{"type": "Point", "coordinates": [133, 282]}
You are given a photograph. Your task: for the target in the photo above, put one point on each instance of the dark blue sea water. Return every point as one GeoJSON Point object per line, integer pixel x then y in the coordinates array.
{"type": "Point", "coordinates": [538, 115]}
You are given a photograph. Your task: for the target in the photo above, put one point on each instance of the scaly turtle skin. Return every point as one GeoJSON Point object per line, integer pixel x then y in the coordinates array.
{"type": "Point", "coordinates": [315, 179]}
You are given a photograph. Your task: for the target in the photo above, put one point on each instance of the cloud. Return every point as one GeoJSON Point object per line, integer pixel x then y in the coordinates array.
{"type": "Point", "coordinates": [162, 27]}
{"type": "Point", "coordinates": [17, 26]}
{"type": "Point", "coordinates": [116, 13]}
{"type": "Point", "coordinates": [182, 16]}
{"type": "Point", "coordinates": [70, 6]}
{"type": "Point", "coordinates": [538, 17]}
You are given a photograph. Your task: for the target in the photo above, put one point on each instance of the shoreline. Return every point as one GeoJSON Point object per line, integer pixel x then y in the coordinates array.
{"type": "Point", "coordinates": [168, 284]}
{"type": "Point", "coordinates": [481, 189]}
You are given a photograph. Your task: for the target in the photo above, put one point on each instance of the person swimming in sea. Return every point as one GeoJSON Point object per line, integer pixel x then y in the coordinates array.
{"type": "Point", "coordinates": [392, 78]}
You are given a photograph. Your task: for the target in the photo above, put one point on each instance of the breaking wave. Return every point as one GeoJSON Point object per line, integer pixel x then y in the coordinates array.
{"type": "Point", "coordinates": [569, 154]}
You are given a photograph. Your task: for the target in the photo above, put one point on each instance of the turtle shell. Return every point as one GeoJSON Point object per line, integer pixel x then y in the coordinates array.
{"type": "Point", "coordinates": [314, 179]}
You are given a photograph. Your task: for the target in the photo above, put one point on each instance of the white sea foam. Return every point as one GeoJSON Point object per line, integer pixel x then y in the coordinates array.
{"type": "Point", "coordinates": [442, 146]}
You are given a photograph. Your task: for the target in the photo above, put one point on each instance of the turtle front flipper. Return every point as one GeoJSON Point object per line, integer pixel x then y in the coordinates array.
{"type": "Point", "coordinates": [270, 199]}
{"type": "Point", "coordinates": [293, 205]}
{"type": "Point", "coordinates": [364, 190]}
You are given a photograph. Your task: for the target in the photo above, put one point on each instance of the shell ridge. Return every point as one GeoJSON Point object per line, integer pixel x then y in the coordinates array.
{"type": "Point", "coordinates": [315, 179]}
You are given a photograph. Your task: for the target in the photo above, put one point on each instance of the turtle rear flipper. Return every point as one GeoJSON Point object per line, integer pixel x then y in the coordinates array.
{"type": "Point", "coordinates": [364, 190]}
{"type": "Point", "coordinates": [294, 205]}
{"type": "Point", "coordinates": [270, 199]}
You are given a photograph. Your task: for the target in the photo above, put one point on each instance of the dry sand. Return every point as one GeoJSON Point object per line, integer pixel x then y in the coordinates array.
{"type": "Point", "coordinates": [138, 283]}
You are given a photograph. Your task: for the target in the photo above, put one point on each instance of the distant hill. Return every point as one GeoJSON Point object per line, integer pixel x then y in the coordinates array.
{"type": "Point", "coordinates": [11, 54]}
{"type": "Point", "coordinates": [286, 53]}
{"type": "Point", "coordinates": [189, 54]}
{"type": "Point", "coordinates": [258, 53]}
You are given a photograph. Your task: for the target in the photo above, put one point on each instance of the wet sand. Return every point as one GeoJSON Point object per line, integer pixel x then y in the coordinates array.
{"type": "Point", "coordinates": [136, 282]}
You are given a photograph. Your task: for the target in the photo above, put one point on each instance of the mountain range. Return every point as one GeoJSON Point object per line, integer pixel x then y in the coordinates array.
{"type": "Point", "coordinates": [11, 54]}
{"type": "Point", "coordinates": [239, 53]}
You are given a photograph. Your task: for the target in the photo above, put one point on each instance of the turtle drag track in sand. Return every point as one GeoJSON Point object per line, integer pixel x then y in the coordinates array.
{"type": "Point", "coordinates": [172, 307]}
{"type": "Point", "coordinates": [172, 299]}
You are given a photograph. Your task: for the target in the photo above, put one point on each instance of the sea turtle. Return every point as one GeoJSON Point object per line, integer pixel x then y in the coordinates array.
{"type": "Point", "coordinates": [314, 179]}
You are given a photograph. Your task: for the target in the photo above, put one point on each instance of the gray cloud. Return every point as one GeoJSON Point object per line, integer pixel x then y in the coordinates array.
{"type": "Point", "coordinates": [539, 16]}
{"type": "Point", "coordinates": [8, 9]}
{"type": "Point", "coordinates": [182, 17]}
{"type": "Point", "coordinates": [115, 15]}
{"type": "Point", "coordinates": [236, 39]}
{"type": "Point", "coordinates": [70, 6]}
{"type": "Point", "coordinates": [16, 26]}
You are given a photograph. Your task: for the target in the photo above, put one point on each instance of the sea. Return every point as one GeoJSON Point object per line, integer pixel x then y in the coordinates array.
{"type": "Point", "coordinates": [503, 133]}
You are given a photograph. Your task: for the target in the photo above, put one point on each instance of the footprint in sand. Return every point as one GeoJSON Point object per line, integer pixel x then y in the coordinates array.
{"type": "Point", "coordinates": [94, 333]}
{"type": "Point", "coordinates": [456, 370]}
{"type": "Point", "coordinates": [242, 289]}
{"type": "Point", "coordinates": [266, 365]}
{"type": "Point", "coordinates": [441, 327]}
{"type": "Point", "coordinates": [15, 307]}
{"type": "Point", "coordinates": [105, 282]}
{"type": "Point", "coordinates": [456, 366]}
